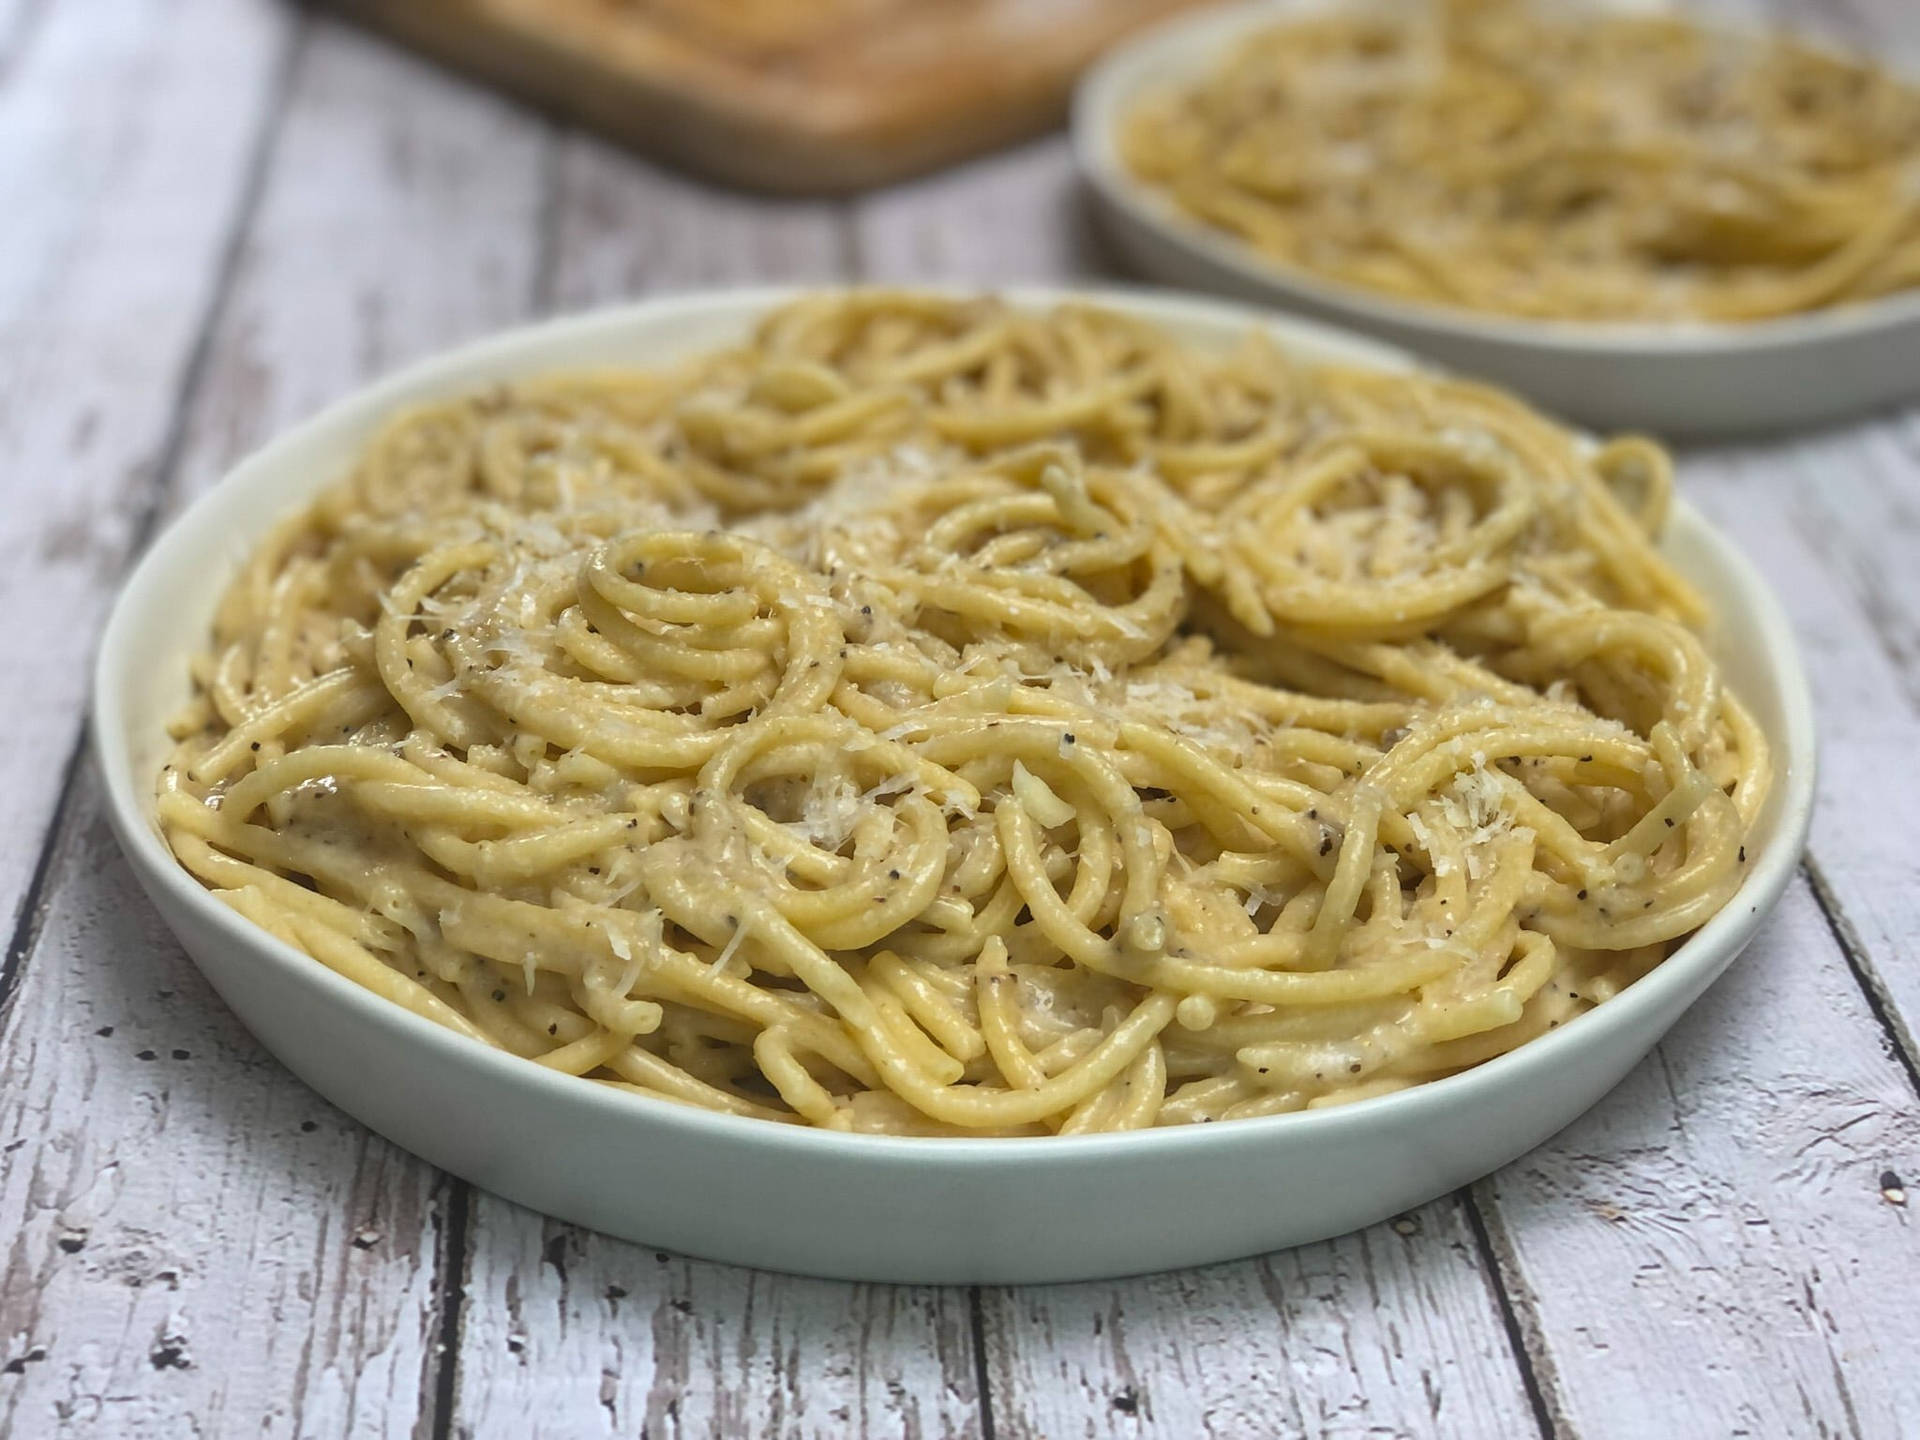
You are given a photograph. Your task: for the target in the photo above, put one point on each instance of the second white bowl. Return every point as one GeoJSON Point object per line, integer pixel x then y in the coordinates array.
{"type": "Point", "coordinates": [1678, 380]}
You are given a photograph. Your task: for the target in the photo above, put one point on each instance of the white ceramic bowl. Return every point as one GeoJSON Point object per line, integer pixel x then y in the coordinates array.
{"type": "Point", "coordinates": [1692, 380]}
{"type": "Point", "coordinates": [868, 1207]}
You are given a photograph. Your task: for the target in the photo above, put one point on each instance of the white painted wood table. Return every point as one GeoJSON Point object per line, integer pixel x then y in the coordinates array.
{"type": "Point", "coordinates": [217, 214]}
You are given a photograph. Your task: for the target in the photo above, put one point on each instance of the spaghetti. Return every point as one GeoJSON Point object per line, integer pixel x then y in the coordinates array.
{"type": "Point", "coordinates": [1501, 156]}
{"type": "Point", "coordinates": [935, 716]}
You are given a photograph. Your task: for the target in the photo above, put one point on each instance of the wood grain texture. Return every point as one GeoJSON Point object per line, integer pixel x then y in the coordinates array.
{"type": "Point", "coordinates": [1831, 519]}
{"type": "Point", "coordinates": [621, 227]}
{"type": "Point", "coordinates": [119, 213]}
{"type": "Point", "coordinates": [1574, 1377]}
{"type": "Point", "coordinates": [1716, 1249]}
{"type": "Point", "coordinates": [265, 1264]}
{"type": "Point", "coordinates": [1393, 1331]}
{"type": "Point", "coordinates": [826, 97]}
{"type": "Point", "coordinates": [193, 1241]}
{"type": "Point", "coordinates": [402, 213]}
{"type": "Point", "coordinates": [1390, 1331]}
{"type": "Point", "coordinates": [567, 1333]}
{"type": "Point", "coordinates": [1710, 1251]}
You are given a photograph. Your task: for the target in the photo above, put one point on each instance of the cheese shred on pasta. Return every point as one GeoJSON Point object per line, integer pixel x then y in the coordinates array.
{"type": "Point", "coordinates": [1546, 161]}
{"type": "Point", "coordinates": [939, 717]}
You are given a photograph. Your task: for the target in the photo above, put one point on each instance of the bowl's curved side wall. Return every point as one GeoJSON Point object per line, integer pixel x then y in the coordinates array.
{"type": "Point", "coordinates": [948, 1219]}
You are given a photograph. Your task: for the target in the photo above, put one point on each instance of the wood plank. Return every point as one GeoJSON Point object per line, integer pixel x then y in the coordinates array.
{"type": "Point", "coordinates": [119, 212]}
{"type": "Point", "coordinates": [1390, 1331]}
{"type": "Point", "coordinates": [1745, 1174]}
{"type": "Point", "coordinates": [998, 221]}
{"type": "Point", "coordinates": [1590, 1391]}
{"type": "Point", "coordinates": [1531, 1233]}
{"type": "Point", "coordinates": [403, 214]}
{"type": "Point", "coordinates": [510, 1363]}
{"type": "Point", "coordinates": [194, 1239]}
{"type": "Point", "coordinates": [910, 1337]}
{"type": "Point", "coordinates": [1829, 516]}
{"type": "Point", "coordinates": [623, 227]}
{"type": "Point", "coordinates": [569, 1333]}
{"type": "Point", "coordinates": [1384, 1332]}
{"type": "Point", "coordinates": [1831, 520]}
{"type": "Point", "coordinates": [250, 1259]}
{"type": "Point", "coordinates": [1713, 1250]}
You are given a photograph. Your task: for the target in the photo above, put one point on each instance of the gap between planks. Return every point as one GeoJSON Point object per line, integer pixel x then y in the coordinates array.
{"type": "Point", "coordinates": [628, 227]}
{"type": "Point", "coordinates": [1899, 1040]}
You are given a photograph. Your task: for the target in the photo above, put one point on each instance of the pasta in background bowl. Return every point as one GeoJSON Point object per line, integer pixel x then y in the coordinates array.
{"type": "Point", "coordinates": [1550, 162]}
{"type": "Point", "coordinates": [913, 1207]}
{"type": "Point", "coordinates": [1694, 229]}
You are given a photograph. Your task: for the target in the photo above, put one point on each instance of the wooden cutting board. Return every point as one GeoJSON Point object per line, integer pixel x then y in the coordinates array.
{"type": "Point", "coordinates": [802, 96]}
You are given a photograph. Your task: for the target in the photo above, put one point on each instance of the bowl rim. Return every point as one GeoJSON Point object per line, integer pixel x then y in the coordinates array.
{"type": "Point", "coordinates": [1108, 89]}
{"type": "Point", "coordinates": [127, 793]}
